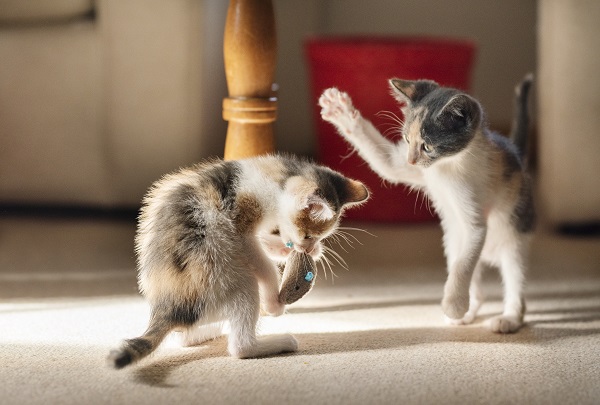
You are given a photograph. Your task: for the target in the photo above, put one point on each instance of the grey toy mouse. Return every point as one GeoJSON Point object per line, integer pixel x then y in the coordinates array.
{"type": "Point", "coordinates": [298, 277]}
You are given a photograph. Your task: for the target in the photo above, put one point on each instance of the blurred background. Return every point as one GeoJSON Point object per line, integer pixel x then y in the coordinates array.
{"type": "Point", "coordinates": [98, 98]}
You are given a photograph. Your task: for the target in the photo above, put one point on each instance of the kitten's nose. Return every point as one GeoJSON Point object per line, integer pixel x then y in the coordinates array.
{"type": "Point", "coordinates": [306, 248]}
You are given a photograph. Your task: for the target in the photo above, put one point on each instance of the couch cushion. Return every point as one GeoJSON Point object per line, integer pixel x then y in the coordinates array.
{"type": "Point", "coordinates": [33, 11]}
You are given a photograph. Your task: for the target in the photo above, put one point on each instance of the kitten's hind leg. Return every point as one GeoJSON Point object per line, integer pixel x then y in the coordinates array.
{"type": "Point", "coordinates": [475, 298]}
{"type": "Point", "coordinates": [243, 316]}
{"type": "Point", "coordinates": [512, 270]}
{"type": "Point", "coordinates": [196, 335]}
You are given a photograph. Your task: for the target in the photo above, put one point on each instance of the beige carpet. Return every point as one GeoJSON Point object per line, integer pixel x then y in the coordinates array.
{"type": "Point", "coordinates": [373, 335]}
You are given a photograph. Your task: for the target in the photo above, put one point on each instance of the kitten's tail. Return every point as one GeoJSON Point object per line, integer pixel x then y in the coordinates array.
{"type": "Point", "coordinates": [520, 128]}
{"type": "Point", "coordinates": [135, 349]}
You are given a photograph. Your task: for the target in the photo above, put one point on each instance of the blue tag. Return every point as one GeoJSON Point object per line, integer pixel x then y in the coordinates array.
{"type": "Point", "coordinates": [289, 244]}
{"type": "Point", "coordinates": [309, 276]}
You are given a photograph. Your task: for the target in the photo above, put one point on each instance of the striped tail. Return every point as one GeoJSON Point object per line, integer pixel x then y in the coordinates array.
{"type": "Point", "coordinates": [520, 128]}
{"type": "Point", "coordinates": [131, 351]}
{"type": "Point", "coordinates": [136, 349]}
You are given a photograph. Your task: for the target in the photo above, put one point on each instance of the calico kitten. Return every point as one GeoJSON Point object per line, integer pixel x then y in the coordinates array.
{"type": "Point", "coordinates": [202, 239]}
{"type": "Point", "coordinates": [476, 179]}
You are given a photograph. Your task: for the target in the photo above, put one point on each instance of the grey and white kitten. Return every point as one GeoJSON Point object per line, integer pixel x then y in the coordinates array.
{"type": "Point", "coordinates": [475, 178]}
{"type": "Point", "coordinates": [209, 236]}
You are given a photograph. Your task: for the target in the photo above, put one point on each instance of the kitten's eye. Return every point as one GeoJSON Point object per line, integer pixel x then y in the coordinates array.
{"type": "Point", "coordinates": [307, 237]}
{"type": "Point", "coordinates": [427, 148]}
{"type": "Point", "coordinates": [275, 232]}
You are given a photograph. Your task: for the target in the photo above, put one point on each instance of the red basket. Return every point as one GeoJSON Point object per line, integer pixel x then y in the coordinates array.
{"type": "Point", "coordinates": [361, 66]}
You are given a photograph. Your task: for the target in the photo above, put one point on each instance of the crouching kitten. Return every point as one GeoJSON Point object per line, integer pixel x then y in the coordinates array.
{"type": "Point", "coordinates": [207, 239]}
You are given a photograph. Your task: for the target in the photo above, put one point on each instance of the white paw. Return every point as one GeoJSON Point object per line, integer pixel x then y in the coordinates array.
{"type": "Point", "coordinates": [265, 346]}
{"type": "Point", "coordinates": [292, 344]}
{"type": "Point", "coordinates": [465, 320]}
{"type": "Point", "coordinates": [337, 108]}
{"type": "Point", "coordinates": [506, 324]}
{"type": "Point", "coordinates": [456, 306]}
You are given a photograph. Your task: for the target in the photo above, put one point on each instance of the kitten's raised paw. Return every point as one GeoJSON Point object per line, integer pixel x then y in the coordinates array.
{"type": "Point", "coordinates": [337, 108]}
{"type": "Point", "coordinates": [274, 307]}
{"type": "Point", "coordinates": [505, 324]}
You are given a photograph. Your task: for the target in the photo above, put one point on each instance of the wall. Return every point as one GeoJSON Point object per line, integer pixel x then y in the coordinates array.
{"type": "Point", "coordinates": [569, 100]}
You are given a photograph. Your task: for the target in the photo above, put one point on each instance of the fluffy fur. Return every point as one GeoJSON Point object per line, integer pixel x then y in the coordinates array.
{"type": "Point", "coordinates": [207, 240]}
{"type": "Point", "coordinates": [475, 178]}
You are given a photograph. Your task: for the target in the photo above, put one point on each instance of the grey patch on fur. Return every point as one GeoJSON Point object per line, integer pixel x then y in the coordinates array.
{"type": "Point", "coordinates": [332, 188]}
{"type": "Point", "coordinates": [520, 128]}
{"type": "Point", "coordinates": [512, 160]}
{"type": "Point", "coordinates": [224, 178]}
{"type": "Point", "coordinates": [186, 213]}
{"type": "Point", "coordinates": [414, 90]}
{"type": "Point", "coordinates": [450, 121]}
{"type": "Point", "coordinates": [524, 217]}
{"type": "Point", "coordinates": [183, 313]}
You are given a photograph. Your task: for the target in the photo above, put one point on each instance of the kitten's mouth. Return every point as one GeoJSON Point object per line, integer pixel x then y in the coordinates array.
{"type": "Point", "coordinates": [314, 251]}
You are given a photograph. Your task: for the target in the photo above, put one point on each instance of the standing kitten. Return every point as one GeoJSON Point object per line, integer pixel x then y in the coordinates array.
{"type": "Point", "coordinates": [202, 239]}
{"type": "Point", "coordinates": [475, 178]}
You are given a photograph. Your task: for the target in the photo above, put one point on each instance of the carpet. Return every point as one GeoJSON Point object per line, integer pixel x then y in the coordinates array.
{"type": "Point", "coordinates": [373, 334]}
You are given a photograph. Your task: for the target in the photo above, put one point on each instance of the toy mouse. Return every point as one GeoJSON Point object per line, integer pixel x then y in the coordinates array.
{"type": "Point", "coordinates": [298, 277]}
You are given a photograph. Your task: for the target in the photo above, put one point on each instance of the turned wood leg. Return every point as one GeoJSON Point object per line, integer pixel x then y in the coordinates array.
{"type": "Point", "coordinates": [250, 50]}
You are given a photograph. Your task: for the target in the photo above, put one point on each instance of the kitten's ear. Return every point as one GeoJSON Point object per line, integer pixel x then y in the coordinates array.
{"type": "Point", "coordinates": [459, 112]}
{"type": "Point", "coordinates": [318, 209]}
{"type": "Point", "coordinates": [408, 91]}
{"type": "Point", "coordinates": [355, 192]}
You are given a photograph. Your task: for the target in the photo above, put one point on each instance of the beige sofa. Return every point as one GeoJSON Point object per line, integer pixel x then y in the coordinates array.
{"type": "Point", "coordinates": [98, 98]}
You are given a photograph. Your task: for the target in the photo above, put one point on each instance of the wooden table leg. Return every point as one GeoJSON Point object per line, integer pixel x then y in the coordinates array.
{"type": "Point", "coordinates": [250, 50]}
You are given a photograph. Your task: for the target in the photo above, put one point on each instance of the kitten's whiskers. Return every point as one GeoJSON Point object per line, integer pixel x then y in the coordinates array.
{"type": "Point", "coordinates": [397, 124]}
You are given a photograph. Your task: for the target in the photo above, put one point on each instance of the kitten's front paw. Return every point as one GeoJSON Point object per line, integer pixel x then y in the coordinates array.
{"type": "Point", "coordinates": [337, 108]}
{"type": "Point", "coordinates": [274, 307]}
{"type": "Point", "coordinates": [506, 324]}
{"type": "Point", "coordinates": [455, 307]}
{"type": "Point", "coordinates": [465, 320]}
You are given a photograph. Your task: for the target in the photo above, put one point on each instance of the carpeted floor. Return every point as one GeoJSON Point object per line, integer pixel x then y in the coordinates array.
{"type": "Point", "coordinates": [372, 335]}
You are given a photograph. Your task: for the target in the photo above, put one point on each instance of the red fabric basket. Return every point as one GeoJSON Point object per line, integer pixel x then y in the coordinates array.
{"type": "Point", "coordinates": [362, 66]}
